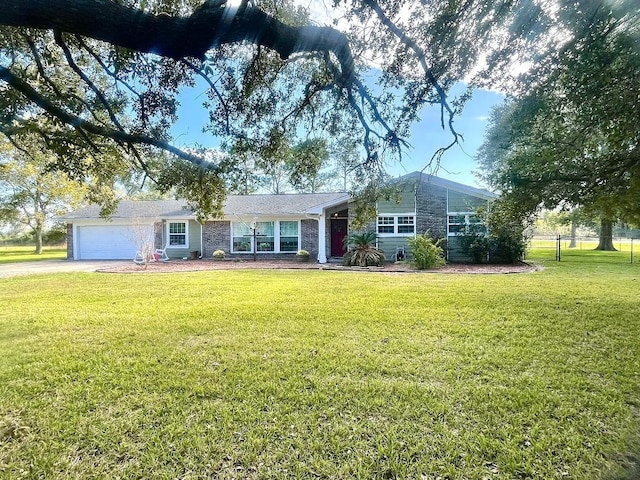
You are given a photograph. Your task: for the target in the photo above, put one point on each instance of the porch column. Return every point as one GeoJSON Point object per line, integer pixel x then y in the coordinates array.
{"type": "Point", "coordinates": [322, 239]}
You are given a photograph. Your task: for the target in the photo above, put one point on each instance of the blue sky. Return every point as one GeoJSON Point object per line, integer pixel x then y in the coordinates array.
{"type": "Point", "coordinates": [426, 136]}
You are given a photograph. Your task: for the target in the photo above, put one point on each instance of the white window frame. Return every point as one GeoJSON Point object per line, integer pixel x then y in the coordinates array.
{"type": "Point", "coordinates": [186, 234]}
{"type": "Point", "coordinates": [396, 225]}
{"type": "Point", "coordinates": [279, 236]}
{"type": "Point", "coordinates": [465, 224]}
{"type": "Point", "coordinates": [276, 237]}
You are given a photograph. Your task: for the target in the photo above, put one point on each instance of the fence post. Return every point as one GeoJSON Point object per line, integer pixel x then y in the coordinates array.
{"type": "Point", "coordinates": [632, 250]}
{"type": "Point", "coordinates": [558, 242]}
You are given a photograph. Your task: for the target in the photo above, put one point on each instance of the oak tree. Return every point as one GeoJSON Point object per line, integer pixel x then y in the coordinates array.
{"type": "Point", "coordinates": [573, 140]}
{"type": "Point", "coordinates": [31, 194]}
{"type": "Point", "coordinates": [96, 76]}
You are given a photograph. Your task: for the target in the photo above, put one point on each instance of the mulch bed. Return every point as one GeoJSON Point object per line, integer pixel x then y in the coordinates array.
{"type": "Point", "coordinates": [199, 265]}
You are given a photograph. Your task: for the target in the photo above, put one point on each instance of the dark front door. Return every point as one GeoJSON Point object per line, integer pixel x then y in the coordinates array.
{"type": "Point", "coordinates": [338, 233]}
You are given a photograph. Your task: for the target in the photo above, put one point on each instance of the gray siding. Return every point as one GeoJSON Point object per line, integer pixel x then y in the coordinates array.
{"type": "Point", "coordinates": [404, 203]}
{"type": "Point", "coordinates": [462, 202]}
{"type": "Point", "coordinates": [194, 233]}
{"type": "Point", "coordinates": [389, 246]}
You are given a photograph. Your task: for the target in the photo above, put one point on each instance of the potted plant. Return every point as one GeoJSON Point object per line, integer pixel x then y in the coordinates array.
{"type": "Point", "coordinates": [219, 255]}
{"type": "Point", "coordinates": [302, 256]}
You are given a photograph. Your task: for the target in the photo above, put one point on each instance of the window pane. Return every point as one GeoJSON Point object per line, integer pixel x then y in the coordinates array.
{"type": "Point", "coordinates": [241, 229]}
{"type": "Point", "coordinates": [177, 240]}
{"type": "Point", "coordinates": [456, 219]}
{"type": "Point", "coordinates": [265, 244]}
{"type": "Point", "coordinates": [385, 228]}
{"type": "Point", "coordinates": [264, 228]}
{"type": "Point", "coordinates": [178, 227]}
{"type": "Point", "coordinates": [288, 244]}
{"type": "Point", "coordinates": [288, 229]}
{"type": "Point", "coordinates": [385, 220]}
{"type": "Point", "coordinates": [405, 228]}
{"type": "Point", "coordinates": [242, 244]}
{"type": "Point", "coordinates": [455, 228]}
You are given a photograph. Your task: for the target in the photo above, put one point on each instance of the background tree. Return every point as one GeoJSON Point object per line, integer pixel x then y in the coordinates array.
{"type": "Point", "coordinates": [574, 138]}
{"type": "Point", "coordinates": [308, 158]}
{"type": "Point", "coordinates": [246, 178]}
{"type": "Point", "coordinates": [346, 160]}
{"type": "Point", "coordinates": [97, 76]}
{"type": "Point", "coordinates": [31, 194]}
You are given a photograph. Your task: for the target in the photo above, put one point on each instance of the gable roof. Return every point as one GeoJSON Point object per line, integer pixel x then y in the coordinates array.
{"type": "Point", "coordinates": [263, 205]}
{"type": "Point", "coordinates": [266, 205]}
{"type": "Point", "coordinates": [444, 183]}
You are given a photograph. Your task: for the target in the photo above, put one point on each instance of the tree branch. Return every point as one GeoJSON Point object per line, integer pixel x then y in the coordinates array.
{"type": "Point", "coordinates": [420, 54]}
{"type": "Point", "coordinates": [210, 25]}
{"type": "Point", "coordinates": [85, 126]}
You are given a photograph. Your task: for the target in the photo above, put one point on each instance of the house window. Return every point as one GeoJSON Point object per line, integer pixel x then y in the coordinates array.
{"type": "Point", "coordinates": [386, 224]}
{"type": "Point", "coordinates": [405, 224]}
{"type": "Point", "coordinates": [459, 223]}
{"type": "Point", "coordinates": [288, 236]}
{"type": "Point", "coordinates": [275, 236]}
{"type": "Point", "coordinates": [396, 224]}
{"type": "Point", "coordinates": [265, 237]}
{"type": "Point", "coordinates": [178, 235]}
{"type": "Point", "coordinates": [241, 237]}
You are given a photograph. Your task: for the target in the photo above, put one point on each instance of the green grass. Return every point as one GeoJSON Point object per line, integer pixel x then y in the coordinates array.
{"type": "Point", "coordinates": [321, 374]}
{"type": "Point", "coordinates": [16, 254]}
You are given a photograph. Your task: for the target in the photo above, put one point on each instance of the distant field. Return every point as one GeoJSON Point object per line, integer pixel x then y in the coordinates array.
{"type": "Point", "coordinates": [322, 374]}
{"type": "Point", "coordinates": [622, 244]}
{"type": "Point", "coordinates": [16, 254]}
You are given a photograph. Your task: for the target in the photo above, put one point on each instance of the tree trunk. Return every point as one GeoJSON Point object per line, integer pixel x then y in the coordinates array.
{"type": "Point", "coordinates": [574, 227]}
{"type": "Point", "coordinates": [606, 236]}
{"type": "Point", "coordinates": [38, 238]}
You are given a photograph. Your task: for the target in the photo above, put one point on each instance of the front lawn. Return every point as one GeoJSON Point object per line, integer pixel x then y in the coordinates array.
{"type": "Point", "coordinates": [14, 254]}
{"type": "Point", "coordinates": [322, 374]}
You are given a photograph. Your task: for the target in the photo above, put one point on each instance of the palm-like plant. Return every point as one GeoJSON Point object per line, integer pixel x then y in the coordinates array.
{"type": "Point", "coordinates": [361, 251]}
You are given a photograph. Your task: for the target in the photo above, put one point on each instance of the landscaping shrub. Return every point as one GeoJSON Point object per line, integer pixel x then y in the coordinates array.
{"type": "Point", "coordinates": [361, 251]}
{"type": "Point", "coordinates": [475, 243]}
{"type": "Point", "coordinates": [506, 240]}
{"type": "Point", "coordinates": [426, 252]}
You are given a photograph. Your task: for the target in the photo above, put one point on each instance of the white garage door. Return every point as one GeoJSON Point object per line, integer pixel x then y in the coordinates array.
{"type": "Point", "coordinates": [116, 242]}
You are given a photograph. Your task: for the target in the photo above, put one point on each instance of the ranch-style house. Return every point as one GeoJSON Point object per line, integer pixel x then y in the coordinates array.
{"type": "Point", "coordinates": [277, 226]}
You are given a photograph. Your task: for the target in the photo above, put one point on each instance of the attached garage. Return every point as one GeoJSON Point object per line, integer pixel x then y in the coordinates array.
{"type": "Point", "coordinates": [110, 242]}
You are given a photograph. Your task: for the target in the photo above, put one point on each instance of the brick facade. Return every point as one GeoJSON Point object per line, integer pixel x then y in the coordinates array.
{"type": "Point", "coordinates": [69, 241]}
{"type": "Point", "coordinates": [158, 235]}
{"type": "Point", "coordinates": [309, 237]}
{"type": "Point", "coordinates": [431, 210]}
{"type": "Point", "coordinates": [216, 235]}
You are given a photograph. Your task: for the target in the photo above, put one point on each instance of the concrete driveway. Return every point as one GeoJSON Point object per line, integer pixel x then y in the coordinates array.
{"type": "Point", "coordinates": [56, 266]}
